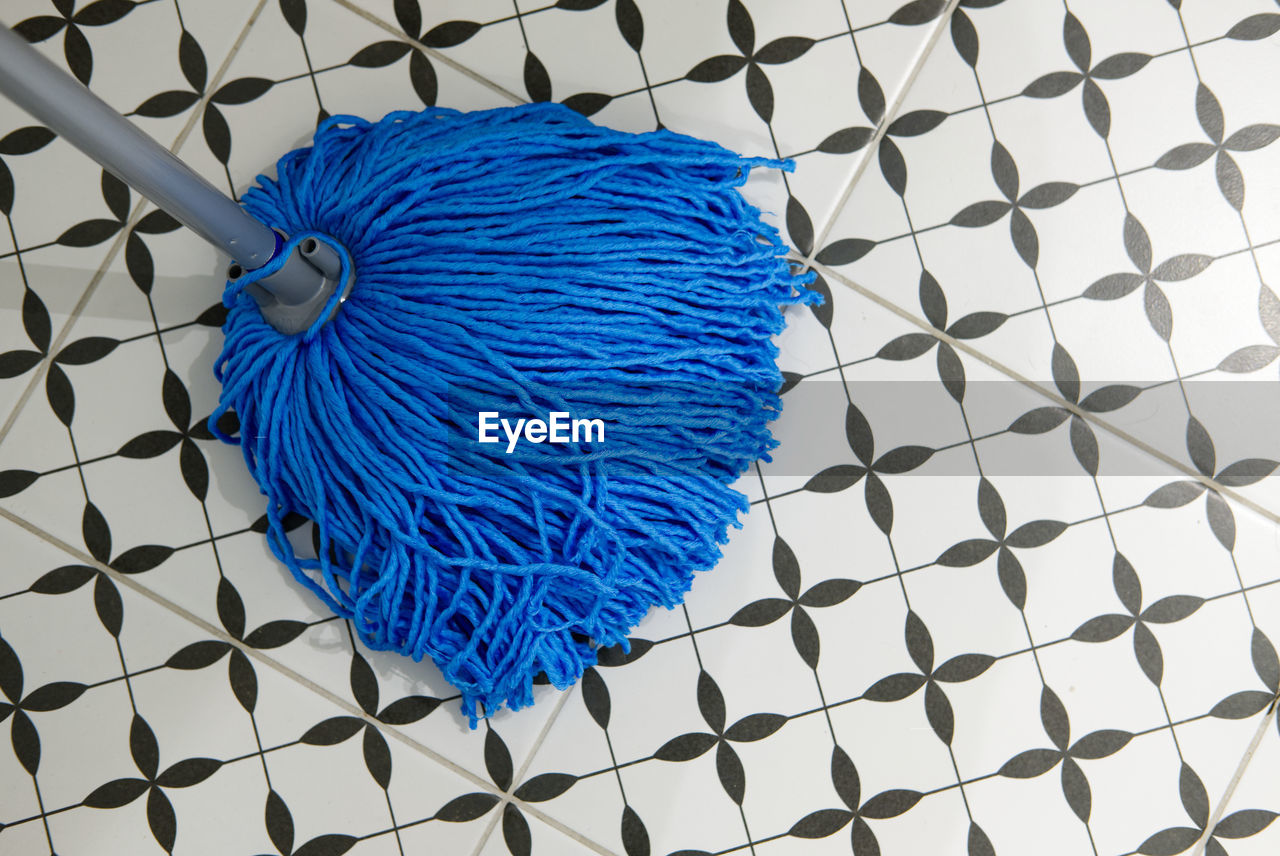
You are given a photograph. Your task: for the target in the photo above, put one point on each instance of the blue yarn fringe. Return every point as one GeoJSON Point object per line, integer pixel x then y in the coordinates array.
{"type": "Point", "coordinates": [521, 260]}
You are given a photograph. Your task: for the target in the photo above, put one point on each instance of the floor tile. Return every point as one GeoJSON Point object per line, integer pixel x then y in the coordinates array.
{"type": "Point", "coordinates": [160, 482]}
{"type": "Point", "coordinates": [82, 646]}
{"type": "Point", "coordinates": [1105, 251]}
{"type": "Point", "coordinates": [1050, 639]}
{"type": "Point", "coordinates": [64, 214]}
{"type": "Point", "coordinates": [516, 833]}
{"type": "Point", "coordinates": [1247, 821]}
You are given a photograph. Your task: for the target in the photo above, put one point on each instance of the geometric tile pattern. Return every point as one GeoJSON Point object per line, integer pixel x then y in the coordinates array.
{"type": "Point", "coordinates": [1010, 584]}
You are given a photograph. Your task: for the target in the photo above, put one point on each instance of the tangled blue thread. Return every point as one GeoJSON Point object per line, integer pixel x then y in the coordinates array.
{"type": "Point", "coordinates": [519, 260]}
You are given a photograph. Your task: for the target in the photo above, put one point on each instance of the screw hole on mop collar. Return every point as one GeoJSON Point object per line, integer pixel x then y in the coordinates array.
{"type": "Point", "coordinates": [234, 271]}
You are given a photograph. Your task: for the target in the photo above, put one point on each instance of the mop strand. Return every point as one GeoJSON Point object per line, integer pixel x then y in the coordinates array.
{"type": "Point", "coordinates": [520, 261]}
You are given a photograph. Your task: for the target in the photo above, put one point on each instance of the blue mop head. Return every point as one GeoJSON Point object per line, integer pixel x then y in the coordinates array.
{"type": "Point", "coordinates": [519, 261]}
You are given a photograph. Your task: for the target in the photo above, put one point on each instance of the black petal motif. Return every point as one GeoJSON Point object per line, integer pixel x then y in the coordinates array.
{"type": "Point", "coordinates": [1029, 764]}
{"type": "Point", "coordinates": [332, 731]}
{"type": "Point", "coordinates": [890, 803]}
{"type": "Point", "coordinates": [402, 711]}
{"type": "Point", "coordinates": [686, 747]}
{"type": "Point", "coordinates": [870, 95]}
{"type": "Point", "coordinates": [327, 845]}
{"type": "Point", "coordinates": [143, 747]}
{"type": "Point", "coordinates": [894, 687]}
{"type": "Point", "coordinates": [217, 134]}
{"type": "Point", "coordinates": [759, 92]}
{"type": "Point", "coordinates": [88, 233]}
{"type": "Point", "coordinates": [845, 141]}
{"type": "Point", "coordinates": [87, 350]}
{"type": "Point", "coordinates": [377, 757]}
{"type": "Point", "coordinates": [364, 686]}
{"type": "Point", "coordinates": [783, 50]}
{"type": "Point", "coordinates": [467, 807]}
{"type": "Point", "coordinates": [53, 696]}
{"type": "Point", "coordinates": [107, 603]}
{"type": "Point", "coordinates": [64, 579]}
{"type": "Point", "coordinates": [380, 53]}
{"type": "Point", "coordinates": [1242, 824]}
{"type": "Point", "coordinates": [96, 533]}
{"type": "Point", "coordinates": [116, 793]}
{"type": "Point", "coordinates": [279, 822]}
{"type": "Point", "coordinates": [635, 837]}
{"type": "Point", "coordinates": [761, 612]}
{"type": "Point", "coordinates": [711, 702]}
{"type": "Point", "coordinates": [273, 634]}
{"type": "Point", "coordinates": [515, 831]}
{"type": "Point", "coordinates": [140, 559]}
{"type": "Point", "coordinates": [242, 90]}
{"type": "Point", "coordinates": [185, 774]}
{"type": "Point", "coordinates": [450, 34]}
{"type": "Point", "coordinates": [422, 76]}
{"type": "Point", "coordinates": [631, 26]}
{"type": "Point", "coordinates": [732, 776]}
{"type": "Point", "coordinates": [917, 12]}
{"type": "Point", "coordinates": [845, 251]}
{"type": "Point", "coordinates": [588, 103]}
{"type": "Point", "coordinates": [800, 228]}
{"type": "Point", "coordinates": [821, 823]}
{"type": "Point", "coordinates": [1100, 744]}
{"type": "Point", "coordinates": [244, 681]}
{"type": "Point", "coordinates": [198, 655]}
{"type": "Point", "coordinates": [497, 759]}
{"type": "Point", "coordinates": [757, 726]}
{"type": "Point", "coordinates": [545, 787]}
{"type": "Point", "coordinates": [536, 80]}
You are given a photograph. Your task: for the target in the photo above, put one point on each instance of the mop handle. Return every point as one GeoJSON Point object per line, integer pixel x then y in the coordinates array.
{"type": "Point", "coordinates": [74, 113]}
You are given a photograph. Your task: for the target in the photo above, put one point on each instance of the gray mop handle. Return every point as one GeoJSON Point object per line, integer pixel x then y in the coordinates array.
{"type": "Point", "coordinates": [74, 113]}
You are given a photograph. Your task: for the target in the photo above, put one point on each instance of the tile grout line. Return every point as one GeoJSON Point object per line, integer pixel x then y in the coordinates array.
{"type": "Point", "coordinates": [434, 53]}
{"type": "Point", "coordinates": [831, 221]}
{"type": "Point", "coordinates": [487, 833]}
{"type": "Point", "coordinates": [925, 51]}
{"type": "Point", "coordinates": [863, 160]}
{"type": "Point", "coordinates": [113, 251]}
{"type": "Point", "coordinates": [333, 698]}
{"type": "Point", "coordinates": [519, 778]}
{"type": "Point", "coordinates": [560, 704]}
{"type": "Point", "coordinates": [176, 145]}
{"type": "Point", "coordinates": [1058, 400]}
{"type": "Point", "coordinates": [890, 113]}
{"type": "Point", "coordinates": [1225, 800]}
{"type": "Point", "coordinates": [906, 314]}
{"type": "Point", "coordinates": [218, 632]}
{"type": "Point", "coordinates": [508, 95]}
{"type": "Point", "coordinates": [1084, 815]}
{"type": "Point", "coordinates": [64, 331]}
{"type": "Point", "coordinates": [864, 156]}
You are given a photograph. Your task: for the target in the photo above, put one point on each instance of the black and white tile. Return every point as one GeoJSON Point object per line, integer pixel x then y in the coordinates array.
{"type": "Point", "coordinates": [1010, 585]}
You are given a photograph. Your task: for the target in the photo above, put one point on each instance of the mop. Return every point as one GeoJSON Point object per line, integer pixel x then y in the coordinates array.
{"type": "Point", "coordinates": [423, 311]}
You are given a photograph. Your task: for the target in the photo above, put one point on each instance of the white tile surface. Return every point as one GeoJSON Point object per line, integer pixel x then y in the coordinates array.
{"type": "Point", "coordinates": [941, 655]}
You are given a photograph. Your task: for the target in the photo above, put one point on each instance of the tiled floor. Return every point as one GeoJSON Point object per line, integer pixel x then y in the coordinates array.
{"type": "Point", "coordinates": [1011, 584]}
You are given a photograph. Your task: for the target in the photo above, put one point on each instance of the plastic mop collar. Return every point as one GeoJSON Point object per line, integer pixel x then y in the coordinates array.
{"type": "Point", "coordinates": [520, 261]}
{"type": "Point", "coordinates": [401, 282]}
